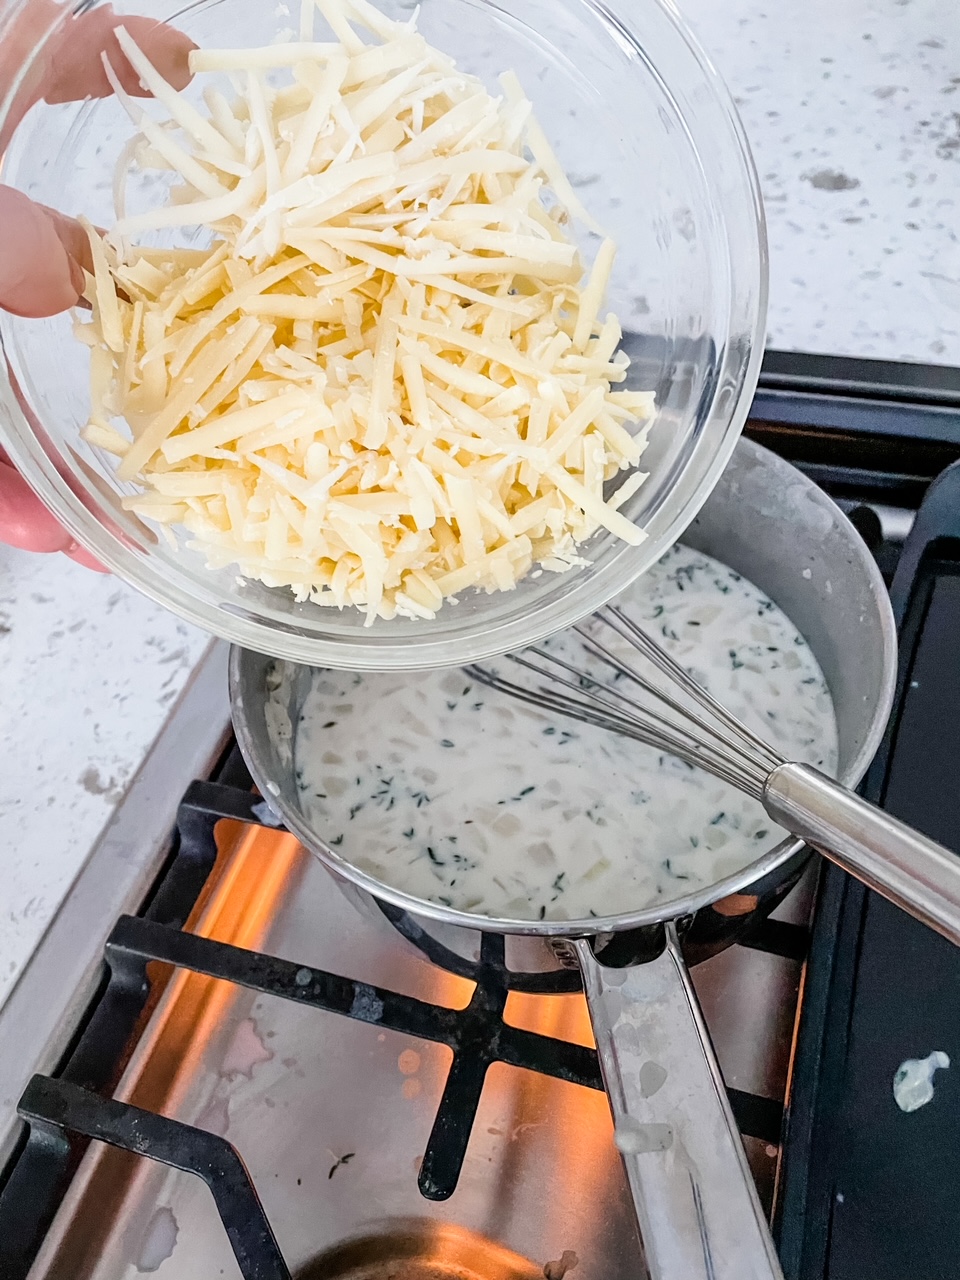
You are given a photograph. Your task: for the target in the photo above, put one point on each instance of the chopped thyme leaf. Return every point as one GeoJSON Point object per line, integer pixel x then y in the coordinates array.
{"type": "Point", "coordinates": [343, 1160]}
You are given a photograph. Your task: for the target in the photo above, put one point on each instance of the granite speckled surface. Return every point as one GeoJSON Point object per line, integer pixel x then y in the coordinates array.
{"type": "Point", "coordinates": [89, 670]}
{"type": "Point", "coordinates": [853, 111]}
{"type": "Point", "coordinates": [852, 108]}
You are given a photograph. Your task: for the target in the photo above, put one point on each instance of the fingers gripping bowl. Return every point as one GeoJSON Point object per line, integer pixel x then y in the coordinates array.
{"type": "Point", "coordinates": [638, 118]}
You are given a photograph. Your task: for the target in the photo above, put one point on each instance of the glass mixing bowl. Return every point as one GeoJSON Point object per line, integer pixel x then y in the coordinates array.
{"type": "Point", "coordinates": [648, 134]}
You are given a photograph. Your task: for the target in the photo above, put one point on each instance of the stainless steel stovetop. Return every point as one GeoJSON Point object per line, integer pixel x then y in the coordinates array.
{"type": "Point", "coordinates": [332, 1116]}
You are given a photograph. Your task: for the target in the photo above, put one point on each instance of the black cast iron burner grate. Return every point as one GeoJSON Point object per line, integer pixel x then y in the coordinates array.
{"type": "Point", "coordinates": [66, 1113]}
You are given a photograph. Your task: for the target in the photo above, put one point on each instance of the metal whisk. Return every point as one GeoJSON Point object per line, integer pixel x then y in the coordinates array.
{"type": "Point", "coordinates": [684, 720]}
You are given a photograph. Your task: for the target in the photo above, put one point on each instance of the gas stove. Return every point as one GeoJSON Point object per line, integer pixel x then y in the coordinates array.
{"type": "Point", "coordinates": [418, 1113]}
{"type": "Point", "coordinates": [213, 1015]}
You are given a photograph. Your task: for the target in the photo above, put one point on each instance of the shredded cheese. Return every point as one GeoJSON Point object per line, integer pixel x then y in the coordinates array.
{"type": "Point", "coordinates": [384, 382]}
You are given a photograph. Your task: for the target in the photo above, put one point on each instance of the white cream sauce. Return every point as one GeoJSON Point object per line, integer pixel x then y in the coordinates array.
{"type": "Point", "coordinates": [439, 786]}
{"type": "Point", "coordinates": [913, 1081]}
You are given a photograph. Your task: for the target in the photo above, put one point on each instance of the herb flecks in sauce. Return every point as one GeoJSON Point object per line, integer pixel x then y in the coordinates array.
{"type": "Point", "coordinates": [465, 797]}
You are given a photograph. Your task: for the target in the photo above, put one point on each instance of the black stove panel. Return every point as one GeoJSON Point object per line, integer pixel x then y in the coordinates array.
{"type": "Point", "coordinates": [868, 1189]}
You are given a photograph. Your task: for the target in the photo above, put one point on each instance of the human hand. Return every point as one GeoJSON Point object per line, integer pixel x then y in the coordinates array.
{"type": "Point", "coordinates": [43, 252]}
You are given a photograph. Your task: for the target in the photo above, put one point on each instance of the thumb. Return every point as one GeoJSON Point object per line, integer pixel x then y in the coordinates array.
{"type": "Point", "coordinates": [37, 275]}
{"type": "Point", "coordinates": [24, 520]}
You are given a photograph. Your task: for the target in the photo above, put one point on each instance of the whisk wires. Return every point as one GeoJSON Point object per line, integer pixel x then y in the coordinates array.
{"type": "Point", "coordinates": [705, 735]}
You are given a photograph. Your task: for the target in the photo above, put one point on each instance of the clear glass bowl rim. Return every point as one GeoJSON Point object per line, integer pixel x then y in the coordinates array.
{"type": "Point", "coordinates": [409, 652]}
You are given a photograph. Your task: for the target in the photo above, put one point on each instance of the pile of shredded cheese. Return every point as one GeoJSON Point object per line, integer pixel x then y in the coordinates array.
{"type": "Point", "coordinates": [388, 379]}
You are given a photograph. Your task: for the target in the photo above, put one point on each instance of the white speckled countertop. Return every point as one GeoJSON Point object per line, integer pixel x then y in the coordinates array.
{"type": "Point", "coordinates": [853, 110]}
{"type": "Point", "coordinates": [88, 672]}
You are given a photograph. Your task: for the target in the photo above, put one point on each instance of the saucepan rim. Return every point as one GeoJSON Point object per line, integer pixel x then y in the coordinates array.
{"type": "Point", "coordinates": [738, 882]}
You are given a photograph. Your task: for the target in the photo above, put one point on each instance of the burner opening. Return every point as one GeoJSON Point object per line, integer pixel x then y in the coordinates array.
{"type": "Point", "coordinates": [420, 1251]}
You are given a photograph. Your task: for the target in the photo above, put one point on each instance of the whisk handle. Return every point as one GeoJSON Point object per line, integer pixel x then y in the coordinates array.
{"type": "Point", "coordinates": [916, 874]}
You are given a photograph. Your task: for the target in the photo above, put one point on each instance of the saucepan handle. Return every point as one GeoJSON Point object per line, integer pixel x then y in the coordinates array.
{"type": "Point", "coordinates": [697, 1205]}
{"type": "Point", "coordinates": [913, 872]}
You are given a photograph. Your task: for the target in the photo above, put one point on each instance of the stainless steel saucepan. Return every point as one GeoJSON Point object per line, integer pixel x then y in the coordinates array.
{"type": "Point", "coordinates": [698, 1211]}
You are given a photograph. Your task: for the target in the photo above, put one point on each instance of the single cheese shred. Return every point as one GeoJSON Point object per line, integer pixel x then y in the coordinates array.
{"type": "Point", "coordinates": [388, 378]}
